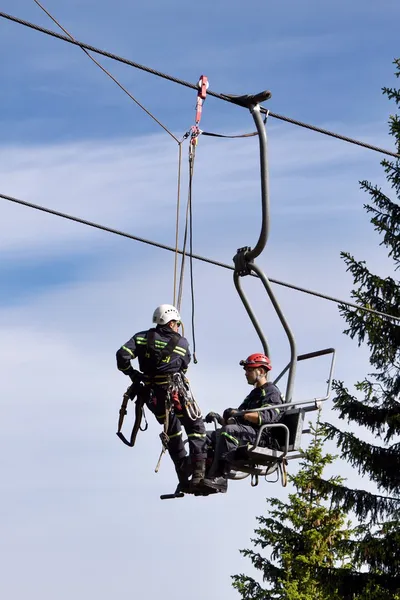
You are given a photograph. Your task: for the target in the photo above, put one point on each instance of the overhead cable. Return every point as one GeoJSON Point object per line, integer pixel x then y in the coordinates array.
{"type": "Point", "coordinates": [195, 256]}
{"type": "Point", "coordinates": [191, 85]}
{"type": "Point", "coordinates": [72, 39]}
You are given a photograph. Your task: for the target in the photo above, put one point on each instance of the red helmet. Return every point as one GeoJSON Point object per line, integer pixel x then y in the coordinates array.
{"type": "Point", "coordinates": [257, 360]}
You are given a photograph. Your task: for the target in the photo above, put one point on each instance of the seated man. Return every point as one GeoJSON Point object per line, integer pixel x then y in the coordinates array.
{"type": "Point", "coordinates": [244, 428]}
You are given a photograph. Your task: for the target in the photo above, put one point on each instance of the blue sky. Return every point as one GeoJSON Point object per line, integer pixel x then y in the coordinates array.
{"type": "Point", "coordinates": [82, 514]}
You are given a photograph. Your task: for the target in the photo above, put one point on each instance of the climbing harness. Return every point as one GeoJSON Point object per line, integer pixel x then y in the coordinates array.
{"type": "Point", "coordinates": [181, 386]}
{"type": "Point", "coordinates": [179, 395]}
{"type": "Point", "coordinates": [152, 359]}
{"type": "Point", "coordinates": [130, 394]}
{"type": "Point", "coordinates": [155, 356]}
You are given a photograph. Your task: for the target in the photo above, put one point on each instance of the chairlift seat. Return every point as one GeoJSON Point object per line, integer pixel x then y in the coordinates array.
{"type": "Point", "coordinates": [294, 421]}
{"type": "Point", "coordinates": [247, 457]}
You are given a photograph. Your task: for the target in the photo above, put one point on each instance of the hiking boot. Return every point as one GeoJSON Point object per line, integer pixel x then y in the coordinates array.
{"type": "Point", "coordinates": [182, 468]}
{"type": "Point", "coordinates": [219, 484]}
{"type": "Point", "coordinates": [199, 471]}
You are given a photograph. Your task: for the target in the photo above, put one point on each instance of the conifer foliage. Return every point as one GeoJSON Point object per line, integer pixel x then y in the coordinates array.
{"type": "Point", "coordinates": [307, 549]}
{"type": "Point", "coordinates": [299, 537]}
{"type": "Point", "coordinates": [376, 406]}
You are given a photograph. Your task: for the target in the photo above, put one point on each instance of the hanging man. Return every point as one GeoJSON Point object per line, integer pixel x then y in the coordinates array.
{"type": "Point", "coordinates": [162, 352]}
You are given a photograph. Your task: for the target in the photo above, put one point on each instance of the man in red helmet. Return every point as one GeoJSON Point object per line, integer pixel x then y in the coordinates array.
{"type": "Point", "coordinates": [242, 429]}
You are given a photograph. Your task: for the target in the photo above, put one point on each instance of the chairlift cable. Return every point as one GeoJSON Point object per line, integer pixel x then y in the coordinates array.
{"type": "Point", "coordinates": [193, 86]}
{"type": "Point", "coordinates": [72, 39]}
{"type": "Point", "coordinates": [194, 256]}
{"type": "Point", "coordinates": [149, 113]}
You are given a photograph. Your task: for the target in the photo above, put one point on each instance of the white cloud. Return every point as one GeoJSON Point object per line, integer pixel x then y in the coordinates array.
{"type": "Point", "coordinates": [74, 497]}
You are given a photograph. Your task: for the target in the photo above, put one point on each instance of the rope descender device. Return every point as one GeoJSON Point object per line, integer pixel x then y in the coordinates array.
{"type": "Point", "coordinates": [203, 85]}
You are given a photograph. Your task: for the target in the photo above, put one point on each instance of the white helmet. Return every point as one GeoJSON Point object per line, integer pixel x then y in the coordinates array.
{"type": "Point", "coordinates": [165, 313]}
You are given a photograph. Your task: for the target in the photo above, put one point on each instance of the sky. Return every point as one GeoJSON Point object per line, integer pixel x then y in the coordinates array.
{"type": "Point", "coordinates": [81, 514]}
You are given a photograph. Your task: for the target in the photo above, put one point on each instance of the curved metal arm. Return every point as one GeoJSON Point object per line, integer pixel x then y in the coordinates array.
{"type": "Point", "coordinates": [262, 137]}
{"type": "Point", "coordinates": [244, 258]}
{"type": "Point", "coordinates": [267, 285]}
{"type": "Point", "coordinates": [285, 325]}
{"type": "Point", "coordinates": [252, 102]}
{"type": "Point", "coordinates": [263, 339]}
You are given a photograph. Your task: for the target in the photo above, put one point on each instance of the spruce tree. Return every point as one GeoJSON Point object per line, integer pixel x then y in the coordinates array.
{"type": "Point", "coordinates": [375, 572]}
{"type": "Point", "coordinates": [299, 537]}
{"type": "Point", "coordinates": [363, 563]}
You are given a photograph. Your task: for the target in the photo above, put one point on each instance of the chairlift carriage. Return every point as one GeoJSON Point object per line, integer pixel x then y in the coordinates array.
{"type": "Point", "coordinates": [255, 460]}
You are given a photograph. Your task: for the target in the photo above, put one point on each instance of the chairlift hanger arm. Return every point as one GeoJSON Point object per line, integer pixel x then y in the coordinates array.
{"type": "Point", "coordinates": [244, 258]}
{"type": "Point", "coordinates": [252, 102]}
{"type": "Point", "coordinates": [253, 318]}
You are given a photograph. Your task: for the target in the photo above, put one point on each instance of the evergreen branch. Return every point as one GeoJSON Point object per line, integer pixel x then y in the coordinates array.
{"type": "Point", "coordinates": [352, 584]}
{"type": "Point", "coordinates": [380, 553]}
{"type": "Point", "coordinates": [364, 504]}
{"type": "Point", "coordinates": [381, 464]}
{"type": "Point", "coordinates": [376, 419]}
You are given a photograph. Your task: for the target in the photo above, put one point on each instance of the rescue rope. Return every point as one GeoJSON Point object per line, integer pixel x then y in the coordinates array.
{"type": "Point", "coordinates": [191, 168]}
{"type": "Point", "coordinates": [240, 135]}
{"type": "Point", "coordinates": [182, 270]}
{"type": "Point", "coordinates": [178, 207]}
{"type": "Point", "coordinates": [194, 133]}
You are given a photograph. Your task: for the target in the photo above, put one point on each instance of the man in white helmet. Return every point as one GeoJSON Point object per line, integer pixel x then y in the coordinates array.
{"type": "Point", "coordinates": [161, 352]}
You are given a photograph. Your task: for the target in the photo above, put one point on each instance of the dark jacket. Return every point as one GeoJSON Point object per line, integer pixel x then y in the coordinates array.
{"type": "Point", "coordinates": [267, 396]}
{"type": "Point", "coordinates": [138, 347]}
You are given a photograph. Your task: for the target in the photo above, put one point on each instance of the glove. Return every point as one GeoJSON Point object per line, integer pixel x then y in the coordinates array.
{"type": "Point", "coordinates": [136, 384]}
{"type": "Point", "coordinates": [135, 376]}
{"type": "Point", "coordinates": [228, 413]}
{"type": "Point", "coordinates": [213, 415]}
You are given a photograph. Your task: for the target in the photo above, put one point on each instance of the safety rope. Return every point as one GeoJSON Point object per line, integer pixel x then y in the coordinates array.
{"type": "Point", "coordinates": [239, 135]}
{"type": "Point", "coordinates": [191, 168]}
{"type": "Point", "coordinates": [182, 269]}
{"type": "Point", "coordinates": [177, 302]}
{"type": "Point", "coordinates": [194, 133]}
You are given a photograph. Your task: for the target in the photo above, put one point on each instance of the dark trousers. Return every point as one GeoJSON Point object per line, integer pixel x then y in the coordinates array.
{"type": "Point", "coordinates": [225, 440]}
{"type": "Point", "coordinates": [155, 399]}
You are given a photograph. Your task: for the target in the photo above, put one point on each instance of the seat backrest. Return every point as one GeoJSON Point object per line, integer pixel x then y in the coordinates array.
{"type": "Point", "coordinates": [294, 421]}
